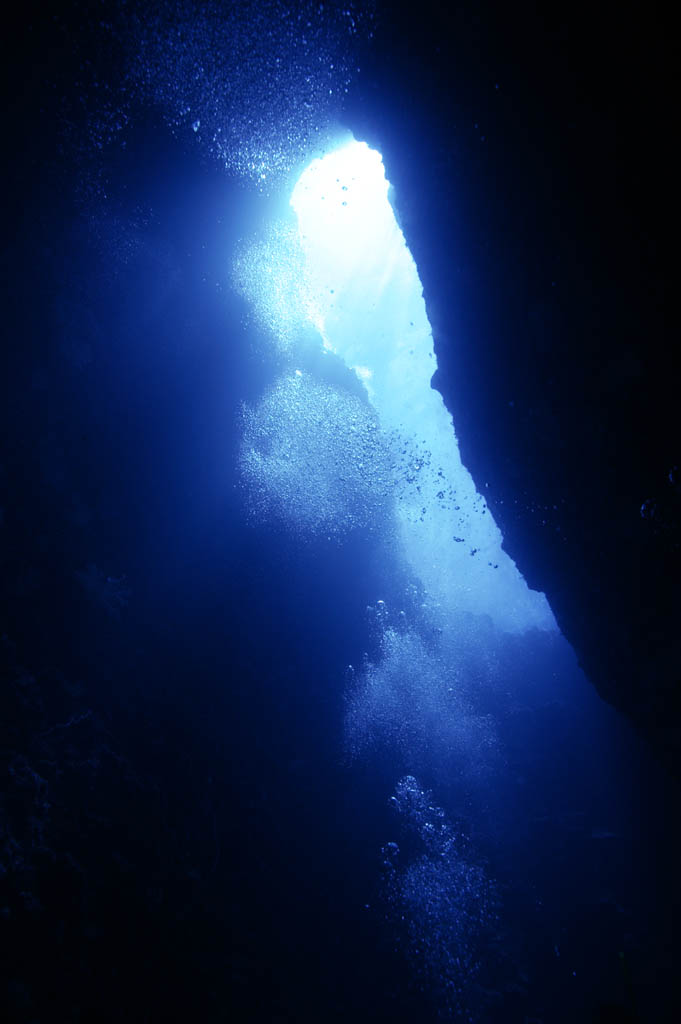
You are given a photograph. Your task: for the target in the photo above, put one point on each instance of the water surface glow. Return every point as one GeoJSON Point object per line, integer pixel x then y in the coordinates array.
{"type": "Point", "coordinates": [366, 301]}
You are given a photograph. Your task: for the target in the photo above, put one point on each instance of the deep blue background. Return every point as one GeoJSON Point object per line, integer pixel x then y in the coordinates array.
{"type": "Point", "coordinates": [192, 843]}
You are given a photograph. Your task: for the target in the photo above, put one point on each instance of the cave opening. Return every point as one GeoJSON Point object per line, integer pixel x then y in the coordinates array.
{"type": "Point", "coordinates": [364, 296]}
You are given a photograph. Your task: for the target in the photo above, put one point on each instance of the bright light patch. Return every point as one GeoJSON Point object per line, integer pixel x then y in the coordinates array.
{"type": "Point", "coordinates": [363, 372]}
{"type": "Point", "coordinates": [369, 309]}
{"type": "Point", "coordinates": [343, 210]}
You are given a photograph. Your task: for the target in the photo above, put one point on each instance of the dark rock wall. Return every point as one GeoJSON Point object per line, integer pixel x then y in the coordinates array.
{"type": "Point", "coordinates": [532, 166]}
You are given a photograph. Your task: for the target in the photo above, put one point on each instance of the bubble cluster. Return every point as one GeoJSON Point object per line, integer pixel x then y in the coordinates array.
{"type": "Point", "coordinates": [442, 903]}
{"type": "Point", "coordinates": [312, 458]}
{"type": "Point", "coordinates": [257, 82]}
{"type": "Point", "coordinates": [270, 273]}
{"type": "Point", "coordinates": [415, 700]}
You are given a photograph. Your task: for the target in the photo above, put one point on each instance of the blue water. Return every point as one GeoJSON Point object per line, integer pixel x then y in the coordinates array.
{"type": "Point", "coordinates": [301, 744]}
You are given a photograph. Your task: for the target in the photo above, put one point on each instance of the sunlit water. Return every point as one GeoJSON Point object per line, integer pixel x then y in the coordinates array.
{"type": "Point", "coordinates": [376, 451]}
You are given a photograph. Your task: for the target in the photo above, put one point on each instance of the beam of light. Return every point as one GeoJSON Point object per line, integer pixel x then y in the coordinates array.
{"type": "Point", "coordinates": [369, 309]}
